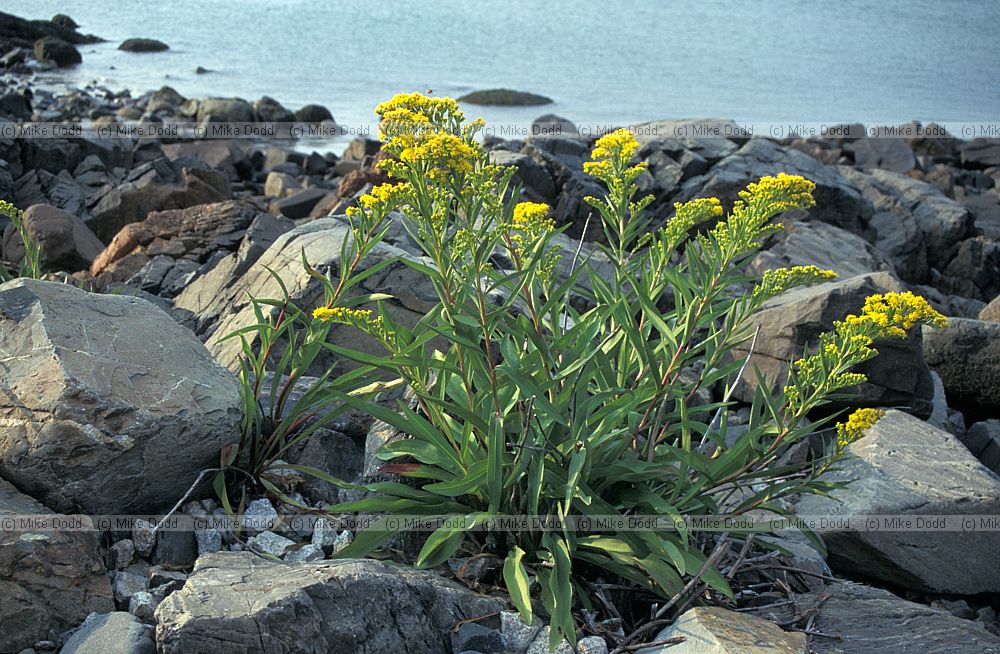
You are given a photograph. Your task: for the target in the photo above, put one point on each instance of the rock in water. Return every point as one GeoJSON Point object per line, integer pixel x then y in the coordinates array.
{"type": "Point", "coordinates": [49, 579]}
{"type": "Point", "coordinates": [107, 404]}
{"type": "Point", "coordinates": [505, 98]}
{"type": "Point", "coordinates": [51, 48]}
{"type": "Point", "coordinates": [143, 45]}
{"type": "Point", "coordinates": [905, 466]}
{"type": "Point", "coordinates": [237, 602]}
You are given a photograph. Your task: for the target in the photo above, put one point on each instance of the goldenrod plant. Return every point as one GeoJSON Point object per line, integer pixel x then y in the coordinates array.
{"type": "Point", "coordinates": [537, 408]}
{"type": "Point", "coordinates": [30, 264]}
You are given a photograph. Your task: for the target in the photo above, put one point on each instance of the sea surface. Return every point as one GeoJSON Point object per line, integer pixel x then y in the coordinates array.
{"type": "Point", "coordinates": [603, 62]}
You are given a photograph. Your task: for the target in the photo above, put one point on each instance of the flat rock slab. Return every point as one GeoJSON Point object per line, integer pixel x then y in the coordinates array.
{"type": "Point", "coordinates": [872, 620]}
{"type": "Point", "coordinates": [111, 633]}
{"type": "Point", "coordinates": [715, 630]}
{"type": "Point", "coordinates": [236, 602]}
{"type": "Point", "coordinates": [106, 404]}
{"type": "Point", "coordinates": [904, 466]}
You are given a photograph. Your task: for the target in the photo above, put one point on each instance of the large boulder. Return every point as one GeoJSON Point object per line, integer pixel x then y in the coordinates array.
{"type": "Point", "coordinates": [59, 52]}
{"type": "Point", "coordinates": [225, 110]}
{"type": "Point", "coordinates": [898, 376]}
{"type": "Point", "coordinates": [240, 603]}
{"type": "Point", "coordinates": [64, 242]}
{"type": "Point", "coordinates": [111, 633]}
{"type": "Point", "coordinates": [107, 404]}
{"type": "Point", "coordinates": [904, 466]}
{"type": "Point", "coordinates": [143, 45]}
{"type": "Point", "coordinates": [966, 354]}
{"type": "Point", "coordinates": [838, 201]}
{"type": "Point", "coordinates": [221, 303]}
{"type": "Point", "coordinates": [981, 153]}
{"type": "Point", "coordinates": [888, 153]}
{"type": "Point", "coordinates": [49, 579]}
{"type": "Point", "coordinates": [859, 619]}
{"type": "Point", "coordinates": [991, 311]}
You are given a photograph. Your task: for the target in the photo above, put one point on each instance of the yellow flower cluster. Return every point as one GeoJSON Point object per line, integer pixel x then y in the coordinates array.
{"type": "Point", "coordinates": [419, 108]}
{"type": "Point", "coordinates": [619, 144]}
{"type": "Point", "coordinates": [388, 196]}
{"type": "Point", "coordinates": [777, 281]}
{"type": "Point", "coordinates": [854, 428]}
{"type": "Point", "coordinates": [443, 154]}
{"type": "Point", "coordinates": [531, 222]}
{"type": "Point", "coordinates": [363, 319]}
{"type": "Point", "coordinates": [780, 194]}
{"type": "Point", "coordinates": [891, 315]}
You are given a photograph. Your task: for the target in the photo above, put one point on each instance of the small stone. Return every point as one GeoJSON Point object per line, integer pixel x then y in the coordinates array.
{"type": "Point", "coordinates": [126, 585]}
{"type": "Point", "coordinates": [259, 516]}
{"type": "Point", "coordinates": [143, 537]}
{"type": "Point", "coordinates": [592, 645]}
{"type": "Point", "coordinates": [209, 540]}
{"type": "Point", "coordinates": [46, 646]}
{"type": "Point", "coordinates": [540, 645]}
{"type": "Point", "coordinates": [306, 553]}
{"type": "Point", "coordinates": [344, 539]}
{"type": "Point", "coordinates": [142, 605]}
{"type": "Point", "coordinates": [958, 608]}
{"type": "Point", "coordinates": [159, 576]}
{"type": "Point", "coordinates": [122, 553]}
{"type": "Point", "coordinates": [517, 635]}
{"type": "Point", "coordinates": [269, 542]}
{"type": "Point", "coordinates": [472, 636]}
{"type": "Point", "coordinates": [324, 534]}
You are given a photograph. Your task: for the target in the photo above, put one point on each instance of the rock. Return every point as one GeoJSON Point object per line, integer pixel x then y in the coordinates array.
{"type": "Point", "coordinates": [988, 433]}
{"type": "Point", "coordinates": [64, 242]}
{"type": "Point", "coordinates": [808, 242]}
{"type": "Point", "coordinates": [991, 311]}
{"type": "Point", "coordinates": [894, 476]}
{"type": "Point", "coordinates": [237, 602]}
{"type": "Point", "coordinates": [57, 51]}
{"type": "Point", "coordinates": [125, 404]}
{"type": "Point", "coordinates": [874, 620]}
{"type": "Point", "coordinates": [321, 240]}
{"type": "Point", "coordinates": [156, 186]}
{"type": "Point", "coordinates": [298, 205]}
{"type": "Point", "coordinates": [271, 543]}
{"type": "Point", "coordinates": [333, 453]}
{"type": "Point", "coordinates": [111, 633]}
{"type": "Point", "coordinates": [143, 537]}
{"type": "Point", "coordinates": [122, 554]}
{"type": "Point", "coordinates": [306, 554]}
{"type": "Point", "coordinates": [361, 148]}
{"type": "Point", "coordinates": [127, 584]}
{"type": "Point", "coordinates": [838, 201]}
{"type": "Point", "coordinates": [208, 540]}
{"type": "Point", "coordinates": [165, 98]}
{"type": "Point", "coordinates": [313, 113]}
{"type": "Point", "coordinates": [143, 45]}
{"type": "Point", "coordinates": [540, 645]}
{"type": "Point", "coordinates": [222, 156]}
{"type": "Point", "coordinates": [324, 534]}
{"type": "Point", "coordinates": [270, 110]}
{"type": "Point", "coordinates": [49, 580]}
{"type": "Point", "coordinates": [517, 635]}
{"type": "Point", "coordinates": [475, 637]}
{"type": "Point", "coordinates": [261, 234]}
{"type": "Point", "coordinates": [278, 185]}
{"type": "Point", "coordinates": [974, 271]}
{"type": "Point", "coordinates": [175, 547]}
{"type": "Point", "coordinates": [142, 605]}
{"type": "Point", "coordinates": [259, 516]}
{"type": "Point", "coordinates": [898, 376]}
{"type": "Point", "coordinates": [980, 153]}
{"type": "Point", "coordinates": [531, 174]}
{"type": "Point", "coordinates": [887, 153]}
{"type": "Point", "coordinates": [553, 125]}
{"type": "Point", "coordinates": [591, 645]}
{"type": "Point", "coordinates": [966, 354]}
{"type": "Point", "coordinates": [225, 110]}
{"type": "Point", "coordinates": [715, 630]}
{"type": "Point", "coordinates": [15, 105]}
{"type": "Point", "coordinates": [505, 98]}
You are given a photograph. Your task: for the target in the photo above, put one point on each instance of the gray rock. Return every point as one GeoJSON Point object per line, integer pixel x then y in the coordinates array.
{"type": "Point", "coordinates": [122, 554]}
{"type": "Point", "coordinates": [271, 543]}
{"type": "Point", "coordinates": [981, 153]}
{"type": "Point", "coordinates": [65, 243]}
{"type": "Point", "coordinates": [892, 154]}
{"type": "Point", "coordinates": [518, 636]}
{"type": "Point", "coordinates": [226, 110]}
{"type": "Point", "coordinates": [142, 605]}
{"type": "Point", "coordinates": [143, 537]}
{"type": "Point", "coordinates": [49, 580]}
{"type": "Point", "coordinates": [893, 475]}
{"type": "Point", "coordinates": [270, 110]}
{"type": "Point", "coordinates": [313, 113]}
{"type": "Point", "coordinates": [324, 534]}
{"type": "Point", "coordinates": [237, 602]}
{"type": "Point", "coordinates": [209, 540]}
{"type": "Point", "coordinates": [974, 271]}
{"type": "Point", "coordinates": [592, 645]}
{"type": "Point", "coordinates": [715, 630]}
{"type": "Point", "coordinates": [305, 554]}
{"type": "Point", "coordinates": [127, 404]}
{"type": "Point", "coordinates": [127, 584]}
{"type": "Point", "coordinates": [898, 376]}
{"type": "Point", "coordinates": [988, 433]}
{"type": "Point", "coordinates": [143, 45]}
{"type": "Point", "coordinates": [476, 637]}
{"type": "Point", "coordinates": [57, 51]}
{"type": "Point", "coordinates": [259, 515]}
{"type": "Point", "coordinates": [540, 645]}
{"type": "Point", "coordinates": [111, 633]}
{"type": "Point", "coordinates": [553, 125]}
{"type": "Point", "coordinates": [874, 620]}
{"type": "Point", "coordinates": [991, 311]}
{"type": "Point", "coordinates": [966, 354]}
{"type": "Point", "coordinates": [333, 453]}
{"type": "Point", "coordinates": [299, 204]}
{"type": "Point", "coordinates": [175, 547]}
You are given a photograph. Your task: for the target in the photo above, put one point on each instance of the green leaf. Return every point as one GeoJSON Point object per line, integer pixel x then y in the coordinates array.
{"type": "Point", "coordinates": [515, 577]}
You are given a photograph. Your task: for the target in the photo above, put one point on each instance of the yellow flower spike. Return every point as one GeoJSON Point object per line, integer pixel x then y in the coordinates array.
{"type": "Point", "coordinates": [780, 193]}
{"type": "Point", "coordinates": [619, 145]}
{"type": "Point", "coordinates": [385, 195]}
{"type": "Point", "coordinates": [857, 423]}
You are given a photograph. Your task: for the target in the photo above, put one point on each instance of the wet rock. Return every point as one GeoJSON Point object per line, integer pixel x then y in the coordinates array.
{"type": "Point", "coordinates": [898, 376]}
{"type": "Point", "coordinates": [57, 51]}
{"type": "Point", "coordinates": [966, 354]}
{"type": "Point", "coordinates": [715, 630]}
{"type": "Point", "coordinates": [111, 633]}
{"type": "Point", "coordinates": [894, 476]}
{"type": "Point", "coordinates": [64, 242]}
{"type": "Point", "coordinates": [313, 113]}
{"type": "Point", "coordinates": [143, 45]}
{"type": "Point", "coordinates": [111, 404]}
{"type": "Point", "coordinates": [237, 602]}
{"type": "Point", "coordinates": [49, 581]}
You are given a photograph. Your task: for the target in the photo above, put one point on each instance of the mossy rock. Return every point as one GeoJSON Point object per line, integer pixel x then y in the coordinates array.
{"type": "Point", "coordinates": [505, 98]}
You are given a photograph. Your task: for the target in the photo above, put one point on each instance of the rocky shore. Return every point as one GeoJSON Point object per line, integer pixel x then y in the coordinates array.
{"type": "Point", "coordinates": [112, 401]}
